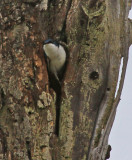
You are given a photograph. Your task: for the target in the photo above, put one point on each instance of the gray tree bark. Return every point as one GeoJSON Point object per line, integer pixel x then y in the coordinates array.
{"type": "Point", "coordinates": [98, 35]}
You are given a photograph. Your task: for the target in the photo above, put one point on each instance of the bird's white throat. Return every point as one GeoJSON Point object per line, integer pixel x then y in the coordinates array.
{"type": "Point", "coordinates": [57, 56]}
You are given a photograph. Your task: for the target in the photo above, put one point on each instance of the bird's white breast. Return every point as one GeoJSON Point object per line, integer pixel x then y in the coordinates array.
{"type": "Point", "coordinates": [57, 56]}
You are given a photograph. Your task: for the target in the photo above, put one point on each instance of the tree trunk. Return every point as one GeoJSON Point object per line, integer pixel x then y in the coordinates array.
{"type": "Point", "coordinates": [97, 35]}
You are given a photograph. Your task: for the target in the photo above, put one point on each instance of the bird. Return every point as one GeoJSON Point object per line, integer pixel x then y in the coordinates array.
{"type": "Point", "coordinates": [55, 55]}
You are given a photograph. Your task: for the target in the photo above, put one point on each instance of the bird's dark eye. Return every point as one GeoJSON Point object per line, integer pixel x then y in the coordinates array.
{"type": "Point", "coordinates": [56, 43]}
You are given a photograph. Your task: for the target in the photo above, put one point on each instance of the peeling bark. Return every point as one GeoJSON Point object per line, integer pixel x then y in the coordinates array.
{"type": "Point", "coordinates": [97, 35]}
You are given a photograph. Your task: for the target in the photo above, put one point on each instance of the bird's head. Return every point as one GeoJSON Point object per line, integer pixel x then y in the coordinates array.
{"type": "Point", "coordinates": [51, 41]}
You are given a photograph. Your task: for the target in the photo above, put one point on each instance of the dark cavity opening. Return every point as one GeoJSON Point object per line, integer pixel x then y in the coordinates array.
{"type": "Point", "coordinates": [94, 75]}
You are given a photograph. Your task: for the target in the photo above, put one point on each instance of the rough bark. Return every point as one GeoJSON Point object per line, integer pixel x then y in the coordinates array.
{"type": "Point", "coordinates": [97, 35]}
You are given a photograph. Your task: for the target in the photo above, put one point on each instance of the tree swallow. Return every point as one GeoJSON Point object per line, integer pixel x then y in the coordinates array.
{"type": "Point", "coordinates": [55, 56]}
